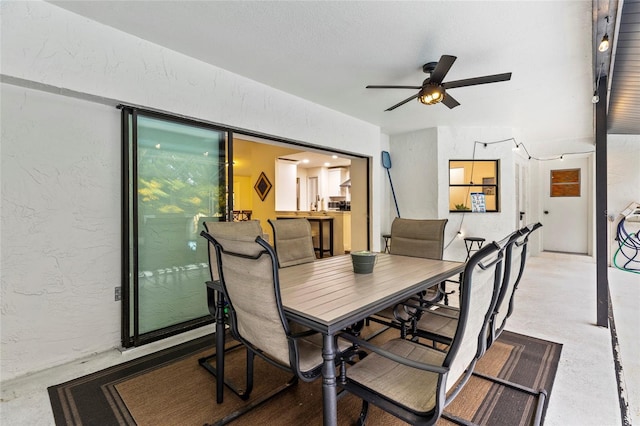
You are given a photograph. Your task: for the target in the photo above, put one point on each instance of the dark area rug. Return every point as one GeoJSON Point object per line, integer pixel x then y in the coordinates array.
{"type": "Point", "coordinates": [171, 388]}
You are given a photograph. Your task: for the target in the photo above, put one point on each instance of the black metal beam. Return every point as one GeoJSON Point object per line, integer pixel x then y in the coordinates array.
{"type": "Point", "coordinates": [602, 261]}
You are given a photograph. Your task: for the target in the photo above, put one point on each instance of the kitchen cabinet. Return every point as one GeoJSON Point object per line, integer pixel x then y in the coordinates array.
{"type": "Point", "coordinates": [336, 177]}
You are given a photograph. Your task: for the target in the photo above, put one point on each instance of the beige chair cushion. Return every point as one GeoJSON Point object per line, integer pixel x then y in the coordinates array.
{"type": "Point", "coordinates": [418, 238]}
{"type": "Point", "coordinates": [249, 285]}
{"type": "Point", "coordinates": [293, 243]}
{"type": "Point", "coordinates": [442, 321]}
{"type": "Point", "coordinates": [517, 251]}
{"type": "Point", "coordinates": [249, 228]}
{"type": "Point", "coordinates": [416, 389]}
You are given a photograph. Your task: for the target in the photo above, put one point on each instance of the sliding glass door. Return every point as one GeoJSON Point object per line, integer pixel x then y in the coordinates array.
{"type": "Point", "coordinates": [175, 178]}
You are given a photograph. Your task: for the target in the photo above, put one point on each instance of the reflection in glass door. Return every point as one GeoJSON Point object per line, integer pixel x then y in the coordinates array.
{"type": "Point", "coordinates": [176, 180]}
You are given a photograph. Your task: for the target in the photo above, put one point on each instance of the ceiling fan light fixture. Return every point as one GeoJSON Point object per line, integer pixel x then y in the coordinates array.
{"type": "Point", "coordinates": [431, 95]}
{"type": "Point", "coordinates": [604, 44]}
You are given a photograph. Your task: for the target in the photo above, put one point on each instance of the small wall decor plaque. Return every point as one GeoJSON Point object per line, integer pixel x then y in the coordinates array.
{"type": "Point", "coordinates": [262, 186]}
{"type": "Point", "coordinates": [478, 204]}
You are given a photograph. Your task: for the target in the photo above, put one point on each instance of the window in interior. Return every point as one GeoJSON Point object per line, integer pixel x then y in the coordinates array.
{"type": "Point", "coordinates": [174, 181]}
{"type": "Point", "coordinates": [467, 179]}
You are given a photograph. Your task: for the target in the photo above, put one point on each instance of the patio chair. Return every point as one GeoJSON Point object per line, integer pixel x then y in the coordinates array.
{"type": "Point", "coordinates": [415, 382]}
{"type": "Point", "coordinates": [416, 238]}
{"type": "Point", "coordinates": [437, 323]}
{"type": "Point", "coordinates": [515, 260]}
{"type": "Point", "coordinates": [215, 299]}
{"type": "Point", "coordinates": [292, 241]}
{"type": "Point", "coordinates": [248, 273]}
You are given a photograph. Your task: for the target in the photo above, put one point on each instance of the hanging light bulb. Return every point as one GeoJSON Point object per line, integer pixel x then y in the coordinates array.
{"type": "Point", "coordinates": [595, 98]}
{"type": "Point", "coordinates": [604, 44]}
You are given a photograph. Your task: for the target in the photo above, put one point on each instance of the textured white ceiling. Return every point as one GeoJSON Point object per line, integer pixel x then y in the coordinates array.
{"type": "Point", "coordinates": [327, 52]}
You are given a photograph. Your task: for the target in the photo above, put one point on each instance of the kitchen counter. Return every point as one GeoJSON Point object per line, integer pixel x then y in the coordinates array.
{"type": "Point", "coordinates": [341, 227]}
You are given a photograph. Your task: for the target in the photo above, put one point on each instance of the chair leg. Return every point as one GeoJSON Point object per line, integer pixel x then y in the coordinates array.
{"type": "Point", "coordinates": [204, 363]}
{"type": "Point", "coordinates": [541, 393]}
{"type": "Point", "coordinates": [457, 420]}
{"type": "Point", "coordinates": [253, 404]}
{"type": "Point", "coordinates": [249, 387]}
{"type": "Point", "coordinates": [363, 413]}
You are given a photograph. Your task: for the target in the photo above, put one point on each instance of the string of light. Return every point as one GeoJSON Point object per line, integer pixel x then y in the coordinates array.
{"type": "Point", "coordinates": [524, 148]}
{"type": "Point", "coordinates": [517, 146]}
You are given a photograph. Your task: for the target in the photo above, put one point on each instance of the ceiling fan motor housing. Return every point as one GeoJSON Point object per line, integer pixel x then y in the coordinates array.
{"type": "Point", "coordinates": [429, 67]}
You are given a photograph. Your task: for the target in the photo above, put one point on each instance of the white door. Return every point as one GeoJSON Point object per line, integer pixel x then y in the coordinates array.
{"type": "Point", "coordinates": [521, 196]}
{"type": "Point", "coordinates": [565, 204]}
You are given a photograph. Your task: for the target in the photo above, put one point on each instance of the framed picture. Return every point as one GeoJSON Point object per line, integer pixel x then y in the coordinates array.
{"type": "Point", "coordinates": [262, 186]}
{"type": "Point", "coordinates": [489, 190]}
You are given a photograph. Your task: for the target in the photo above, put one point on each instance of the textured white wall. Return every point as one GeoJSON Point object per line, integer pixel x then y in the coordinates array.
{"type": "Point", "coordinates": [60, 229]}
{"type": "Point", "coordinates": [623, 174]}
{"type": "Point", "coordinates": [414, 173]}
{"type": "Point", "coordinates": [623, 183]}
{"type": "Point", "coordinates": [420, 174]}
{"type": "Point", "coordinates": [61, 167]}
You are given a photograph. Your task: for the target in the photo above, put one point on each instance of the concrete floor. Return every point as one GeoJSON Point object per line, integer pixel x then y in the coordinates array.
{"type": "Point", "coordinates": [555, 301]}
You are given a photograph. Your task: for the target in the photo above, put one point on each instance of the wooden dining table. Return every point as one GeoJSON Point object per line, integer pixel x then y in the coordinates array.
{"type": "Point", "coordinates": [327, 296]}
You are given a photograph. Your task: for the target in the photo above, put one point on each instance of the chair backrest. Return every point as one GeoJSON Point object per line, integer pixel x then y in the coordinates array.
{"type": "Point", "coordinates": [292, 241]}
{"type": "Point", "coordinates": [249, 277]}
{"type": "Point", "coordinates": [250, 228]}
{"type": "Point", "coordinates": [478, 294]}
{"type": "Point", "coordinates": [418, 237]}
{"type": "Point", "coordinates": [515, 259]}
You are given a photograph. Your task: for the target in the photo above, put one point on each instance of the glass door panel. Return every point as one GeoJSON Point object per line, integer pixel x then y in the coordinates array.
{"type": "Point", "coordinates": [178, 183]}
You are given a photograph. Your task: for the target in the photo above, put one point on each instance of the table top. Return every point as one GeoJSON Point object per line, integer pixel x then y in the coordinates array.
{"type": "Point", "coordinates": [327, 296]}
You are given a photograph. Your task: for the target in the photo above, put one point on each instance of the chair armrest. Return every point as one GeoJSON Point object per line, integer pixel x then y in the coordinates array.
{"type": "Point", "coordinates": [214, 285]}
{"type": "Point", "coordinates": [394, 357]}
{"type": "Point", "coordinates": [427, 309]}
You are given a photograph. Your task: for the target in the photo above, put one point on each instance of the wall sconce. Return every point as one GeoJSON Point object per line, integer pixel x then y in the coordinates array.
{"type": "Point", "coordinates": [604, 44]}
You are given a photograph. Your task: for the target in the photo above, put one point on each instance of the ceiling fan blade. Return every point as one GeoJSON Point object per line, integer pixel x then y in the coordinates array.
{"type": "Point", "coordinates": [477, 80]}
{"type": "Point", "coordinates": [394, 87]}
{"type": "Point", "coordinates": [403, 102]}
{"type": "Point", "coordinates": [449, 101]}
{"type": "Point", "coordinates": [443, 67]}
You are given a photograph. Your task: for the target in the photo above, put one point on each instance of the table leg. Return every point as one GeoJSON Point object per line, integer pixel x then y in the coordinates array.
{"type": "Point", "coordinates": [329, 398]}
{"type": "Point", "coordinates": [331, 237]}
{"type": "Point", "coordinates": [321, 235]}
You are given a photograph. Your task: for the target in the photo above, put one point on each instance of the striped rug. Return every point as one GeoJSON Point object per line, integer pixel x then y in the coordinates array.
{"type": "Point", "coordinates": [170, 388]}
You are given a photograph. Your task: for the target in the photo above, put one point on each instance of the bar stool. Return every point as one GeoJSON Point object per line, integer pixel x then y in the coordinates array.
{"type": "Point", "coordinates": [468, 243]}
{"type": "Point", "coordinates": [387, 247]}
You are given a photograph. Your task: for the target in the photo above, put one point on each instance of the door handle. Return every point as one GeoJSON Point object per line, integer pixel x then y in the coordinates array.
{"type": "Point", "coordinates": [521, 215]}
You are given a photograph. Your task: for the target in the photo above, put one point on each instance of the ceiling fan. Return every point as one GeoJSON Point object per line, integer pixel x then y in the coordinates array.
{"type": "Point", "coordinates": [433, 90]}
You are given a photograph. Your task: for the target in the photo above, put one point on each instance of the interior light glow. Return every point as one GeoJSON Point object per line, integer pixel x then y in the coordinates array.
{"type": "Point", "coordinates": [604, 44]}
{"type": "Point", "coordinates": [327, 164]}
{"type": "Point", "coordinates": [431, 94]}
{"type": "Point", "coordinates": [305, 161]}
{"type": "Point", "coordinates": [157, 146]}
